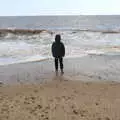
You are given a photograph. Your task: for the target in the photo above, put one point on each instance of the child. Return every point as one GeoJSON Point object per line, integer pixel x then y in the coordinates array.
{"type": "Point", "coordinates": [58, 52]}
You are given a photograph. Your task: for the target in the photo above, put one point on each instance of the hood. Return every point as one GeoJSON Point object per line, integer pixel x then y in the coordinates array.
{"type": "Point", "coordinates": [57, 38]}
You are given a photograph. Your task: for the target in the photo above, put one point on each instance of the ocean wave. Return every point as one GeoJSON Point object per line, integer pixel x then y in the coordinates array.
{"type": "Point", "coordinates": [22, 31]}
{"type": "Point", "coordinates": [38, 31]}
{"type": "Point", "coordinates": [14, 33]}
{"type": "Point", "coordinates": [101, 31]}
{"type": "Point", "coordinates": [26, 34]}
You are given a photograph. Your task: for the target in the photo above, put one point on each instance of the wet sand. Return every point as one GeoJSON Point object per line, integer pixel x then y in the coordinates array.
{"type": "Point", "coordinates": [88, 68]}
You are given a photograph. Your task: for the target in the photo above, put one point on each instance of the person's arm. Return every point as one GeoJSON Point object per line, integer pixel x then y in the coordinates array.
{"type": "Point", "coordinates": [53, 49]}
{"type": "Point", "coordinates": [63, 49]}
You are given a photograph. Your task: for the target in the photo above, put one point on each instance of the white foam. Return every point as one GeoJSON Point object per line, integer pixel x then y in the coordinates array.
{"type": "Point", "coordinates": [10, 61]}
{"type": "Point", "coordinates": [37, 47]}
{"type": "Point", "coordinates": [95, 52]}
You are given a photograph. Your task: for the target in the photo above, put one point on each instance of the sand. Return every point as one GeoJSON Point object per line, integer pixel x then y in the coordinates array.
{"type": "Point", "coordinates": [61, 100]}
{"type": "Point", "coordinates": [87, 90]}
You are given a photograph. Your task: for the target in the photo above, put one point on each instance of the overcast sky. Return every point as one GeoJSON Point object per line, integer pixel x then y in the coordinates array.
{"type": "Point", "coordinates": [59, 7]}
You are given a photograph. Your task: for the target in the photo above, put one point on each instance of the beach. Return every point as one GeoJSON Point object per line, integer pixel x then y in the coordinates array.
{"type": "Point", "coordinates": [89, 90]}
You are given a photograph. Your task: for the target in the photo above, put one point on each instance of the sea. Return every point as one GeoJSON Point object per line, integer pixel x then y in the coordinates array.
{"type": "Point", "coordinates": [29, 38]}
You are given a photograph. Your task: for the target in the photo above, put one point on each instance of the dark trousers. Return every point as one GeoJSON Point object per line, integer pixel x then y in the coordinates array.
{"type": "Point", "coordinates": [60, 60]}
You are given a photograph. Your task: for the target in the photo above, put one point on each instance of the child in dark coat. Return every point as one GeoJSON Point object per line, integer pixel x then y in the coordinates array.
{"type": "Point", "coordinates": [58, 52]}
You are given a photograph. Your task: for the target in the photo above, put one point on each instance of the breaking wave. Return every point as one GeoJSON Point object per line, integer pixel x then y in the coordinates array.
{"type": "Point", "coordinates": [34, 33]}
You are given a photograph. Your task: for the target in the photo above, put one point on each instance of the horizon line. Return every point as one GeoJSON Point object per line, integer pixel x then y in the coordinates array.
{"type": "Point", "coordinates": [60, 15]}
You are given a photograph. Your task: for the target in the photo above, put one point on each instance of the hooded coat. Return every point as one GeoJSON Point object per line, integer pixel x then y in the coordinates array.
{"type": "Point", "coordinates": [58, 49]}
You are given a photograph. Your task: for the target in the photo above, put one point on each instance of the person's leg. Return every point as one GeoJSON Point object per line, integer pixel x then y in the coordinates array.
{"type": "Point", "coordinates": [56, 66]}
{"type": "Point", "coordinates": [61, 64]}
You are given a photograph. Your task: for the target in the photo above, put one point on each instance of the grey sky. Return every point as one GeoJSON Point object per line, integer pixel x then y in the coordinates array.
{"type": "Point", "coordinates": [59, 7]}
